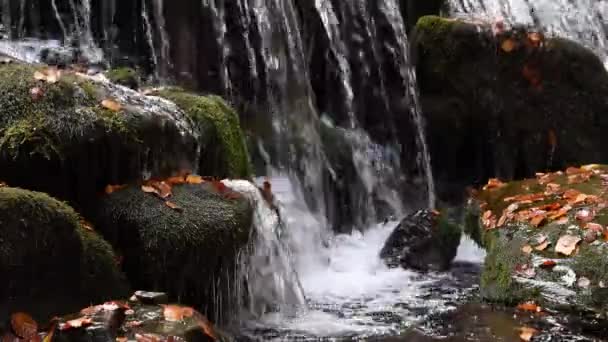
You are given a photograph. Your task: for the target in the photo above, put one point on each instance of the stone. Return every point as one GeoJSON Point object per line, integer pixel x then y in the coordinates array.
{"type": "Point", "coordinates": [50, 262]}
{"type": "Point", "coordinates": [423, 241]}
{"type": "Point", "coordinates": [155, 298]}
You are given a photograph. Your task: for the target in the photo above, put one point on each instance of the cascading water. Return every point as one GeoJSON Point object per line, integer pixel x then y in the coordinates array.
{"type": "Point", "coordinates": [583, 20]}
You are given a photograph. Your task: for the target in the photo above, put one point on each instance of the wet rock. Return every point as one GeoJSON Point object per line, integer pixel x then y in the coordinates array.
{"type": "Point", "coordinates": [189, 254]}
{"type": "Point", "coordinates": [156, 298]}
{"type": "Point", "coordinates": [83, 145]}
{"type": "Point", "coordinates": [551, 91]}
{"type": "Point", "coordinates": [423, 241]}
{"type": "Point", "coordinates": [564, 269]}
{"type": "Point", "coordinates": [49, 260]}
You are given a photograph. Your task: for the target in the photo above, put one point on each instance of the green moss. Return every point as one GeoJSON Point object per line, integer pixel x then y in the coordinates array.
{"type": "Point", "coordinates": [449, 233]}
{"type": "Point", "coordinates": [435, 36]}
{"type": "Point", "coordinates": [592, 262]}
{"type": "Point", "coordinates": [30, 135]}
{"type": "Point", "coordinates": [54, 265]}
{"type": "Point", "coordinates": [213, 112]}
{"type": "Point", "coordinates": [127, 77]}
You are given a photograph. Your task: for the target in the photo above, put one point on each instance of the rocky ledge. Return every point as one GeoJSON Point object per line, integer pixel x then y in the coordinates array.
{"type": "Point", "coordinates": [547, 241]}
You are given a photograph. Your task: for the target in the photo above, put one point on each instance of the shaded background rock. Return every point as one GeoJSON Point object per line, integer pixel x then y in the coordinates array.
{"type": "Point", "coordinates": [507, 114]}
{"type": "Point", "coordinates": [423, 241]}
{"type": "Point", "coordinates": [50, 263]}
{"type": "Point", "coordinates": [190, 253]}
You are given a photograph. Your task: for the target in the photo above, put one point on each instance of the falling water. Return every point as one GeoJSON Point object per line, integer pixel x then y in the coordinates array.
{"type": "Point", "coordinates": [159, 19]}
{"type": "Point", "coordinates": [582, 20]}
{"type": "Point", "coordinates": [150, 38]}
{"type": "Point", "coordinates": [64, 30]}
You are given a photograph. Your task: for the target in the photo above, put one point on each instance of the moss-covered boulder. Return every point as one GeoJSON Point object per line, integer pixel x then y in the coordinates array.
{"type": "Point", "coordinates": [189, 252]}
{"type": "Point", "coordinates": [50, 263]}
{"type": "Point", "coordinates": [70, 135]}
{"type": "Point", "coordinates": [546, 238]}
{"type": "Point", "coordinates": [224, 150]}
{"type": "Point", "coordinates": [509, 102]}
{"type": "Point", "coordinates": [125, 76]}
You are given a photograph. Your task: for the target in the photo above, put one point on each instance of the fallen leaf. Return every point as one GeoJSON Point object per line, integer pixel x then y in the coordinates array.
{"type": "Point", "coordinates": [23, 325]}
{"type": "Point", "coordinates": [545, 178]}
{"type": "Point", "coordinates": [563, 220]}
{"type": "Point", "coordinates": [219, 186]}
{"type": "Point", "coordinates": [538, 220]}
{"type": "Point", "coordinates": [174, 206]}
{"type": "Point", "coordinates": [567, 244]}
{"type": "Point", "coordinates": [542, 246]}
{"type": "Point", "coordinates": [525, 271]}
{"type": "Point", "coordinates": [590, 167]}
{"type": "Point", "coordinates": [529, 306]}
{"type": "Point", "coordinates": [109, 189]}
{"type": "Point", "coordinates": [579, 178]}
{"type": "Point", "coordinates": [52, 75]}
{"type": "Point", "coordinates": [493, 183]}
{"type": "Point", "coordinates": [591, 236]}
{"type": "Point", "coordinates": [527, 333]}
{"type": "Point", "coordinates": [91, 310]}
{"type": "Point", "coordinates": [508, 45]}
{"type": "Point", "coordinates": [164, 189]}
{"type": "Point", "coordinates": [552, 189]}
{"type": "Point", "coordinates": [205, 325]}
{"type": "Point", "coordinates": [191, 179]}
{"type": "Point", "coordinates": [150, 190]}
{"type": "Point", "coordinates": [76, 323]}
{"type": "Point", "coordinates": [585, 215]}
{"type": "Point", "coordinates": [111, 105]}
{"type": "Point", "coordinates": [175, 313]}
{"type": "Point", "coordinates": [526, 198]}
{"type": "Point", "coordinates": [86, 225]}
{"type": "Point", "coordinates": [535, 39]}
{"type": "Point", "coordinates": [176, 180]}
{"type": "Point", "coordinates": [548, 264]}
{"type": "Point", "coordinates": [148, 338]}
{"type": "Point", "coordinates": [39, 76]}
{"type": "Point", "coordinates": [122, 339]}
{"type": "Point", "coordinates": [527, 249]}
{"type": "Point", "coordinates": [594, 226]}
{"type": "Point", "coordinates": [574, 170]}
{"type": "Point", "coordinates": [36, 93]}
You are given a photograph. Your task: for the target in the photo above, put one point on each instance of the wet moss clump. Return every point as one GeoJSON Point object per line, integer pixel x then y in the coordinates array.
{"type": "Point", "coordinates": [125, 76]}
{"type": "Point", "coordinates": [51, 264]}
{"type": "Point", "coordinates": [179, 251]}
{"type": "Point", "coordinates": [219, 124]}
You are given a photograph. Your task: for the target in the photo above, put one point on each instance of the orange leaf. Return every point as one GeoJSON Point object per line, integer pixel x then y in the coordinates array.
{"type": "Point", "coordinates": [537, 220]}
{"type": "Point", "coordinates": [164, 189]}
{"type": "Point", "coordinates": [76, 323]}
{"type": "Point", "coordinates": [150, 189]}
{"type": "Point", "coordinates": [174, 206]}
{"type": "Point", "coordinates": [113, 188]}
{"type": "Point", "coordinates": [148, 338]}
{"type": "Point", "coordinates": [529, 306]}
{"type": "Point", "coordinates": [535, 38]}
{"type": "Point", "coordinates": [23, 325]}
{"type": "Point", "coordinates": [508, 45]}
{"type": "Point", "coordinates": [174, 313]}
{"type": "Point", "coordinates": [493, 183]}
{"type": "Point", "coordinates": [527, 334]}
{"type": "Point", "coordinates": [86, 225]}
{"type": "Point", "coordinates": [111, 105]}
{"type": "Point", "coordinates": [176, 180]}
{"type": "Point", "coordinates": [191, 179]}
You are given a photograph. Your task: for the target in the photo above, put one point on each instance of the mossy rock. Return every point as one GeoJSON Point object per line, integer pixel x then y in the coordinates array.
{"type": "Point", "coordinates": [125, 76]}
{"type": "Point", "coordinates": [224, 150]}
{"type": "Point", "coordinates": [508, 112]}
{"type": "Point", "coordinates": [61, 140]}
{"type": "Point", "coordinates": [181, 252]}
{"type": "Point", "coordinates": [50, 263]}
{"type": "Point", "coordinates": [513, 270]}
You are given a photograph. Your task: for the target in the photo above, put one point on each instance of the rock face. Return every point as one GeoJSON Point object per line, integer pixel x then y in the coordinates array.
{"type": "Point", "coordinates": [423, 241]}
{"type": "Point", "coordinates": [51, 263]}
{"type": "Point", "coordinates": [512, 102]}
{"type": "Point", "coordinates": [183, 252]}
{"type": "Point", "coordinates": [546, 240]}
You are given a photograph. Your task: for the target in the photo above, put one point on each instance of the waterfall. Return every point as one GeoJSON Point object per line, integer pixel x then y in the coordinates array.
{"type": "Point", "coordinates": [150, 39]}
{"type": "Point", "coordinates": [268, 270]}
{"type": "Point", "coordinates": [581, 20]}
{"type": "Point", "coordinates": [159, 19]}
{"type": "Point", "coordinates": [64, 30]}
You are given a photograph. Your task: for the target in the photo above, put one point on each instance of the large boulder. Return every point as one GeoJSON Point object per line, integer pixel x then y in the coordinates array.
{"type": "Point", "coordinates": [189, 251]}
{"type": "Point", "coordinates": [511, 101]}
{"type": "Point", "coordinates": [71, 135]}
{"type": "Point", "coordinates": [424, 241]}
{"type": "Point", "coordinates": [546, 240]}
{"type": "Point", "coordinates": [50, 262]}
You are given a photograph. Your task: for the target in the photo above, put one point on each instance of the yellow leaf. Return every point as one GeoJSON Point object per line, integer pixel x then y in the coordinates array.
{"type": "Point", "coordinates": [38, 76]}
{"type": "Point", "coordinates": [192, 179]}
{"type": "Point", "coordinates": [111, 105]}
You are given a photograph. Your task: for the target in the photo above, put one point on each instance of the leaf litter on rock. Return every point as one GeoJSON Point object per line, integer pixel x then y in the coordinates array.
{"type": "Point", "coordinates": [567, 244]}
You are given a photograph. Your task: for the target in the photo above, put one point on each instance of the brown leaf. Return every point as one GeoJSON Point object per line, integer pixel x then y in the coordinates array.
{"type": "Point", "coordinates": [526, 198]}
{"type": "Point", "coordinates": [121, 339]}
{"type": "Point", "coordinates": [574, 170]}
{"type": "Point", "coordinates": [594, 226]}
{"type": "Point", "coordinates": [111, 105]}
{"type": "Point", "coordinates": [164, 189]}
{"type": "Point", "coordinates": [23, 325]}
{"type": "Point", "coordinates": [205, 325]}
{"type": "Point", "coordinates": [527, 333]}
{"type": "Point", "coordinates": [529, 306]}
{"type": "Point", "coordinates": [538, 220]}
{"type": "Point", "coordinates": [567, 244]}
{"type": "Point", "coordinates": [176, 180]}
{"type": "Point", "coordinates": [174, 206]}
{"type": "Point", "coordinates": [36, 93]}
{"type": "Point", "coordinates": [39, 76]}
{"type": "Point", "coordinates": [174, 313]}
{"type": "Point", "coordinates": [109, 189]}
{"type": "Point", "coordinates": [542, 246]}
{"type": "Point", "coordinates": [552, 189]}
{"type": "Point", "coordinates": [148, 338]}
{"type": "Point", "coordinates": [150, 189]}
{"type": "Point", "coordinates": [86, 225]}
{"type": "Point", "coordinates": [585, 215]}
{"type": "Point", "coordinates": [535, 39]}
{"type": "Point", "coordinates": [508, 45]}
